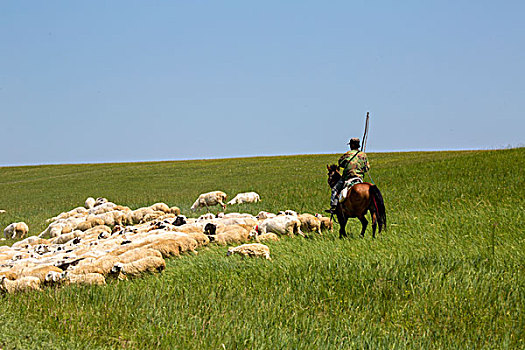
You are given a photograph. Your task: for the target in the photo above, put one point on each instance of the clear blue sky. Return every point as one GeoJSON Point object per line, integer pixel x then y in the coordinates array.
{"type": "Point", "coordinates": [99, 81]}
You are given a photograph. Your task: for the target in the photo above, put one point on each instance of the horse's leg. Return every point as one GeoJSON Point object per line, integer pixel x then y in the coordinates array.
{"type": "Point", "coordinates": [342, 225]}
{"type": "Point", "coordinates": [364, 224]}
{"type": "Point", "coordinates": [374, 224]}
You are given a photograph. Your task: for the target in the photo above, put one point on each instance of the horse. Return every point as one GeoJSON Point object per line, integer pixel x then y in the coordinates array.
{"type": "Point", "coordinates": [361, 198]}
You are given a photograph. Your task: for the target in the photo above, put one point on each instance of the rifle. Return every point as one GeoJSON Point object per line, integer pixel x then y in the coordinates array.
{"type": "Point", "coordinates": [365, 139]}
{"type": "Point", "coordinates": [365, 135]}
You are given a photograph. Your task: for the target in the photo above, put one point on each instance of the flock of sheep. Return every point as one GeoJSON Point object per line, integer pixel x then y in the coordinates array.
{"type": "Point", "coordinates": [101, 240]}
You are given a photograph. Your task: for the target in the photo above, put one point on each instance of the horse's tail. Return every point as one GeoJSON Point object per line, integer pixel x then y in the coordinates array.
{"type": "Point", "coordinates": [378, 205]}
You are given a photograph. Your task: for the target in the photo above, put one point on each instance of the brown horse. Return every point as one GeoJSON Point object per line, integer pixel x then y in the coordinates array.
{"type": "Point", "coordinates": [361, 198]}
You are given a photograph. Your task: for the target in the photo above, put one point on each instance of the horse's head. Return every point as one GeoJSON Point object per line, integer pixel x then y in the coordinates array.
{"type": "Point", "coordinates": [333, 174]}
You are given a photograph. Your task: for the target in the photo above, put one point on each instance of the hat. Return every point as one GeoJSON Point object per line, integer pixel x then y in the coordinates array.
{"type": "Point", "coordinates": [354, 140]}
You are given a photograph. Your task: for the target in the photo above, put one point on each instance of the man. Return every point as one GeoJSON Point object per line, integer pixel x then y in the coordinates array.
{"type": "Point", "coordinates": [355, 165]}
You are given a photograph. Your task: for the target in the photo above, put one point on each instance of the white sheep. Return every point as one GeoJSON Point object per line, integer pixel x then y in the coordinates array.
{"type": "Point", "coordinates": [281, 225]}
{"type": "Point", "coordinates": [86, 279]}
{"type": "Point", "coordinates": [136, 254]}
{"type": "Point", "coordinates": [23, 284]}
{"type": "Point", "coordinates": [148, 264]}
{"type": "Point", "coordinates": [16, 230]}
{"type": "Point", "coordinates": [251, 250]}
{"type": "Point", "coordinates": [326, 223]}
{"type": "Point", "coordinates": [270, 236]}
{"type": "Point", "coordinates": [310, 223]}
{"type": "Point", "coordinates": [247, 197]}
{"type": "Point", "coordinates": [209, 199]}
{"type": "Point", "coordinates": [265, 215]}
{"type": "Point", "coordinates": [89, 203]}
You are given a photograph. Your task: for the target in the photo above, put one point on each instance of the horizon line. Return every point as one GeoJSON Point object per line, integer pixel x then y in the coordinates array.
{"type": "Point", "coordinates": [256, 156]}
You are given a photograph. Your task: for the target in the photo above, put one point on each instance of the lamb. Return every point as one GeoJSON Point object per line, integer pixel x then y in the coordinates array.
{"type": "Point", "coordinates": [23, 284]}
{"type": "Point", "coordinates": [150, 264]}
{"type": "Point", "coordinates": [16, 230]}
{"type": "Point", "coordinates": [247, 197]}
{"type": "Point", "coordinates": [251, 250]}
{"type": "Point", "coordinates": [326, 223]}
{"type": "Point", "coordinates": [310, 223]}
{"type": "Point", "coordinates": [89, 203]}
{"type": "Point", "coordinates": [206, 200]}
{"type": "Point", "coordinates": [281, 225]}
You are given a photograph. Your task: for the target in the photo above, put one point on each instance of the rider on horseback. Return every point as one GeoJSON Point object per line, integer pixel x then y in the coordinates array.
{"type": "Point", "coordinates": [355, 165]}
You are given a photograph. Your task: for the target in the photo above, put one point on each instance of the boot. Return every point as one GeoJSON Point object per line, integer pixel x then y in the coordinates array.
{"type": "Point", "coordinates": [332, 209]}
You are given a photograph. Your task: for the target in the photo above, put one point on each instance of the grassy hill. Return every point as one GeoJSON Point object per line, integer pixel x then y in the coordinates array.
{"type": "Point", "coordinates": [448, 273]}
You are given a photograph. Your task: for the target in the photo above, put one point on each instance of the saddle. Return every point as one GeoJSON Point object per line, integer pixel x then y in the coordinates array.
{"type": "Point", "coordinates": [347, 186]}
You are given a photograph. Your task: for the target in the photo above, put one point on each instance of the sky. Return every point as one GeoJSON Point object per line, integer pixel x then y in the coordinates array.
{"type": "Point", "coordinates": [120, 81]}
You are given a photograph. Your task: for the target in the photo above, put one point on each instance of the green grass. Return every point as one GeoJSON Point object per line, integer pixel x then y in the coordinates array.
{"type": "Point", "coordinates": [448, 273]}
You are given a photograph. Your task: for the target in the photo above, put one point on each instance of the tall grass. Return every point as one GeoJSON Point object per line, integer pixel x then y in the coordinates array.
{"type": "Point", "coordinates": [448, 273]}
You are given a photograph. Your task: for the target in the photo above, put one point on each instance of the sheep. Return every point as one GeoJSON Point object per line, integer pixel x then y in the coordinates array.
{"type": "Point", "coordinates": [309, 223]}
{"type": "Point", "coordinates": [16, 230]}
{"type": "Point", "coordinates": [175, 210]}
{"type": "Point", "coordinates": [326, 223]}
{"type": "Point", "coordinates": [281, 225]}
{"type": "Point", "coordinates": [100, 201]}
{"type": "Point", "coordinates": [102, 208]}
{"type": "Point", "coordinates": [73, 213]}
{"type": "Point", "coordinates": [149, 264]}
{"type": "Point", "coordinates": [288, 212]}
{"type": "Point", "coordinates": [90, 222]}
{"type": "Point", "coordinates": [270, 236]}
{"type": "Point", "coordinates": [251, 250]}
{"type": "Point", "coordinates": [205, 217]}
{"type": "Point", "coordinates": [2, 211]}
{"type": "Point", "coordinates": [10, 275]}
{"type": "Point", "coordinates": [173, 246]}
{"type": "Point", "coordinates": [86, 279]}
{"type": "Point", "coordinates": [23, 284]}
{"type": "Point", "coordinates": [101, 265]}
{"type": "Point", "coordinates": [39, 272]}
{"type": "Point", "coordinates": [232, 236]}
{"type": "Point", "coordinates": [265, 215]}
{"type": "Point", "coordinates": [180, 220]}
{"type": "Point", "coordinates": [160, 207]}
{"type": "Point", "coordinates": [136, 254]}
{"type": "Point", "coordinates": [247, 197]}
{"type": "Point", "coordinates": [206, 200]}
{"type": "Point", "coordinates": [89, 203]}
{"type": "Point", "coordinates": [188, 228]}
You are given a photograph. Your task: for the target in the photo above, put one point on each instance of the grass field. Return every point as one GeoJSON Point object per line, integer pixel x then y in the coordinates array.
{"type": "Point", "coordinates": [448, 273]}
